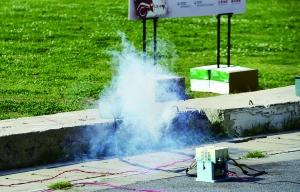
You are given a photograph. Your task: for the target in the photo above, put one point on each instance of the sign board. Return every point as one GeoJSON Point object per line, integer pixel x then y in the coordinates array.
{"type": "Point", "coordinates": [143, 9]}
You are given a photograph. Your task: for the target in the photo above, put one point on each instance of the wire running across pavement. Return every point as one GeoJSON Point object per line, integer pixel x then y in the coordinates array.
{"type": "Point", "coordinates": [107, 185]}
{"type": "Point", "coordinates": [100, 173]}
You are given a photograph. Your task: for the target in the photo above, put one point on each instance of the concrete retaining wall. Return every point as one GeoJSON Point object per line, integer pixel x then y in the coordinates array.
{"type": "Point", "coordinates": [97, 140]}
{"type": "Point", "coordinates": [37, 148]}
{"type": "Point", "coordinates": [279, 116]}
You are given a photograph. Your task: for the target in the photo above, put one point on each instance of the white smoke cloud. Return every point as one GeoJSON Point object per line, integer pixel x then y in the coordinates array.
{"type": "Point", "coordinates": [134, 93]}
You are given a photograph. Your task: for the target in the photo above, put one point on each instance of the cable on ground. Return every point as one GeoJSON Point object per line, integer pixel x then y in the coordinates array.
{"type": "Point", "coordinates": [231, 173]}
{"type": "Point", "coordinates": [105, 185]}
{"type": "Point", "coordinates": [115, 186]}
{"type": "Point", "coordinates": [192, 166]}
{"type": "Point", "coordinates": [94, 172]}
{"type": "Point", "coordinates": [246, 172]}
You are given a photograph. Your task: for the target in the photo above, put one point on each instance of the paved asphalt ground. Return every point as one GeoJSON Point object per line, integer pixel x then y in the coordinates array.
{"type": "Point", "coordinates": [282, 164]}
{"type": "Point", "coordinates": [281, 176]}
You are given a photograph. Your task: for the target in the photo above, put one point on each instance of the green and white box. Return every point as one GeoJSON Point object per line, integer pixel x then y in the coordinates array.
{"type": "Point", "coordinates": [200, 76]}
{"type": "Point", "coordinates": [233, 80]}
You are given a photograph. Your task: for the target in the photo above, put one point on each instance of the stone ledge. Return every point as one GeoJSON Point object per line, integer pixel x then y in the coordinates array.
{"type": "Point", "coordinates": [32, 141]}
{"type": "Point", "coordinates": [277, 115]}
{"type": "Point", "coordinates": [40, 147]}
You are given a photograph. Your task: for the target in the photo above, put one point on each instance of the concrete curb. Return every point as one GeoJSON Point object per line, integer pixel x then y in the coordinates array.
{"type": "Point", "coordinates": [37, 140]}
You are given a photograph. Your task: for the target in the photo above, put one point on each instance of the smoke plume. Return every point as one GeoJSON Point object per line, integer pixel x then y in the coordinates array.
{"type": "Point", "coordinates": [134, 100]}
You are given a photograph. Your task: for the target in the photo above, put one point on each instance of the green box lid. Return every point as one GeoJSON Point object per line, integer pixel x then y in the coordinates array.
{"type": "Point", "coordinates": [204, 72]}
{"type": "Point", "coordinates": [221, 76]}
{"type": "Point", "coordinates": [201, 74]}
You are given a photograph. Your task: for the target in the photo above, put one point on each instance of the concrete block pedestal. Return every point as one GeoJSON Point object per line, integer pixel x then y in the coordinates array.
{"type": "Point", "coordinates": [158, 88]}
{"type": "Point", "coordinates": [169, 88]}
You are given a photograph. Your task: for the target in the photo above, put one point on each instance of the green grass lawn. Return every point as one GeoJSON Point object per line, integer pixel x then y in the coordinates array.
{"type": "Point", "coordinates": [53, 52]}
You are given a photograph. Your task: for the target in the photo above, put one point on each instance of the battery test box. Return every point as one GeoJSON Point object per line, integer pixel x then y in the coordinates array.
{"type": "Point", "coordinates": [212, 163]}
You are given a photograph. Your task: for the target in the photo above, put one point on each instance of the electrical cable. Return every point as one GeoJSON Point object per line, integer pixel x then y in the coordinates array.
{"type": "Point", "coordinates": [158, 169]}
{"type": "Point", "coordinates": [231, 173]}
{"type": "Point", "coordinates": [102, 184]}
{"type": "Point", "coordinates": [192, 166]}
{"type": "Point", "coordinates": [246, 172]}
{"type": "Point", "coordinates": [250, 102]}
{"type": "Point", "coordinates": [294, 182]}
{"type": "Point", "coordinates": [189, 174]}
{"type": "Point", "coordinates": [177, 109]}
{"type": "Point", "coordinates": [94, 172]}
{"type": "Point", "coordinates": [182, 153]}
{"type": "Point", "coordinates": [114, 124]}
{"type": "Point", "coordinates": [135, 164]}
{"type": "Point", "coordinates": [234, 174]}
{"type": "Point", "coordinates": [115, 186]}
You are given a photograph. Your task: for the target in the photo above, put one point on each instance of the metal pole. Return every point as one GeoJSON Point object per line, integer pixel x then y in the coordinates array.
{"type": "Point", "coordinates": [155, 59]}
{"type": "Point", "coordinates": [144, 41]}
{"type": "Point", "coordinates": [218, 40]}
{"type": "Point", "coordinates": [228, 40]}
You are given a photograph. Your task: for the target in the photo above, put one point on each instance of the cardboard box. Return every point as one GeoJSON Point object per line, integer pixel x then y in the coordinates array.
{"type": "Point", "coordinates": [200, 76]}
{"type": "Point", "coordinates": [233, 80]}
